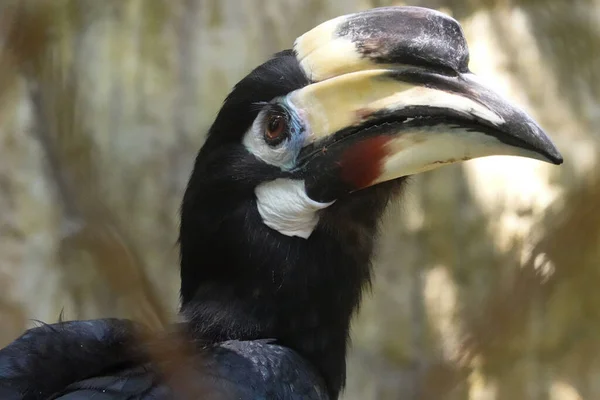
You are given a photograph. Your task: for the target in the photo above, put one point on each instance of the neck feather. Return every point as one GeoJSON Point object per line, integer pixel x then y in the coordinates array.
{"type": "Point", "coordinates": [243, 280]}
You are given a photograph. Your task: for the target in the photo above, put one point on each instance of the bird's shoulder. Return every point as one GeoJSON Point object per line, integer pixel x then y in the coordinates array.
{"type": "Point", "coordinates": [264, 369]}
{"type": "Point", "coordinates": [103, 359]}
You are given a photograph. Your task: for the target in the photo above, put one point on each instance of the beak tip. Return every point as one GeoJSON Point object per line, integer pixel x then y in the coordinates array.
{"type": "Point", "coordinates": [553, 156]}
{"type": "Point", "coordinates": [558, 160]}
{"type": "Point", "coordinates": [551, 153]}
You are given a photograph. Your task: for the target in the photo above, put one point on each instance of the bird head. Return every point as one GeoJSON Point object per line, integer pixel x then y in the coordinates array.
{"type": "Point", "coordinates": [281, 210]}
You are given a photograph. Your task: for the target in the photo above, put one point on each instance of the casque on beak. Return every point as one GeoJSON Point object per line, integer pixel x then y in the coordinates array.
{"type": "Point", "coordinates": [392, 96]}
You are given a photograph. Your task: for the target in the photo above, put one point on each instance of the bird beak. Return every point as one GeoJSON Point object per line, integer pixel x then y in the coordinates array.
{"type": "Point", "coordinates": [392, 96]}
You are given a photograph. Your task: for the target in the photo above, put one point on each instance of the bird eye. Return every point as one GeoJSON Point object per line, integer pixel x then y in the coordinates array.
{"type": "Point", "coordinates": [276, 129]}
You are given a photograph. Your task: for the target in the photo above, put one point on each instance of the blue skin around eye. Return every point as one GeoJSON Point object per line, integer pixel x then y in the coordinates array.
{"type": "Point", "coordinates": [297, 136]}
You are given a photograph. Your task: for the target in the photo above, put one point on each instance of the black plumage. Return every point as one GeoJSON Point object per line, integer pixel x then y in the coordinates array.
{"type": "Point", "coordinates": [109, 359]}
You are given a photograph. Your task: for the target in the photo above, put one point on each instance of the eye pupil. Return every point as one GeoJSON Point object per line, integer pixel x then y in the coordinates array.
{"type": "Point", "coordinates": [275, 124]}
{"type": "Point", "coordinates": [276, 129]}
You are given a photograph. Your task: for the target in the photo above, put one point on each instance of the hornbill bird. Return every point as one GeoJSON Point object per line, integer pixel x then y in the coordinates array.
{"type": "Point", "coordinates": [281, 213]}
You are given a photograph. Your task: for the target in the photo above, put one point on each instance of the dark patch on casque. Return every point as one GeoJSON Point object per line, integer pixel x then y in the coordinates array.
{"type": "Point", "coordinates": [408, 36]}
{"type": "Point", "coordinates": [431, 79]}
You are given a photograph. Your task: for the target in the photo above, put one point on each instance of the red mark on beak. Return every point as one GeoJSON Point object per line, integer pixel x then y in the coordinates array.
{"type": "Point", "coordinates": [362, 163]}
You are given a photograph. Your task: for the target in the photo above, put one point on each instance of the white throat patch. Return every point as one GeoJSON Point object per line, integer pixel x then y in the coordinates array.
{"type": "Point", "coordinates": [285, 207]}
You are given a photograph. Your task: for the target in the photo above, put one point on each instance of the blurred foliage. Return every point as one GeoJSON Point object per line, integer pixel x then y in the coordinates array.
{"type": "Point", "coordinates": [34, 48]}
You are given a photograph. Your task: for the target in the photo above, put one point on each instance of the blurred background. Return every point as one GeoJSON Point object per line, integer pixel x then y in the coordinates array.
{"type": "Point", "coordinates": [488, 272]}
